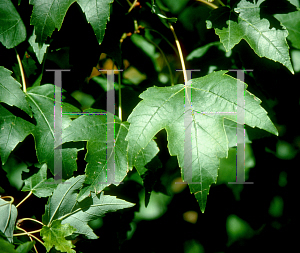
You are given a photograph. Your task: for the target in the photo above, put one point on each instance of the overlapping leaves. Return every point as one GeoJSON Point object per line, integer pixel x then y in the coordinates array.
{"type": "Point", "coordinates": [8, 218]}
{"type": "Point", "coordinates": [41, 100]}
{"type": "Point", "coordinates": [163, 108]}
{"type": "Point", "coordinates": [245, 23]}
{"type": "Point", "coordinates": [49, 14]}
{"type": "Point", "coordinates": [92, 128]}
{"type": "Point", "coordinates": [38, 183]}
{"type": "Point", "coordinates": [63, 205]}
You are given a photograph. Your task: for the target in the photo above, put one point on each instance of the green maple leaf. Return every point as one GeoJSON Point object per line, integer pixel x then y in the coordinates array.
{"type": "Point", "coordinates": [49, 14]}
{"type": "Point", "coordinates": [292, 23]}
{"type": "Point", "coordinates": [39, 51]}
{"type": "Point", "coordinates": [38, 183]}
{"type": "Point", "coordinates": [92, 128]}
{"type": "Point", "coordinates": [245, 23]}
{"type": "Point", "coordinates": [64, 205]}
{"type": "Point", "coordinates": [163, 108]}
{"type": "Point", "coordinates": [12, 28]}
{"type": "Point", "coordinates": [13, 130]}
{"type": "Point", "coordinates": [55, 236]}
{"type": "Point", "coordinates": [10, 92]}
{"type": "Point", "coordinates": [41, 100]}
{"type": "Point", "coordinates": [8, 218]}
{"type": "Point", "coordinates": [97, 13]}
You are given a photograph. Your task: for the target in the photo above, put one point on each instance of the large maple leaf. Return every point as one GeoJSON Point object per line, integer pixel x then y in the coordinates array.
{"type": "Point", "coordinates": [163, 108]}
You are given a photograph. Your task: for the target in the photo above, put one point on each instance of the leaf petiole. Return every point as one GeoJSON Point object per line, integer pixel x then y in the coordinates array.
{"type": "Point", "coordinates": [27, 196]}
{"type": "Point", "coordinates": [21, 71]}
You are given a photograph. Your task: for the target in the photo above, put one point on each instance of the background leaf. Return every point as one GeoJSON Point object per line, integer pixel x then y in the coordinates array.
{"type": "Point", "coordinates": [39, 51]}
{"type": "Point", "coordinates": [292, 23]}
{"type": "Point", "coordinates": [25, 247]}
{"type": "Point", "coordinates": [7, 219]}
{"type": "Point", "coordinates": [12, 28]}
{"type": "Point", "coordinates": [13, 130]}
{"type": "Point", "coordinates": [38, 183]}
{"type": "Point", "coordinates": [10, 92]}
{"type": "Point", "coordinates": [7, 247]}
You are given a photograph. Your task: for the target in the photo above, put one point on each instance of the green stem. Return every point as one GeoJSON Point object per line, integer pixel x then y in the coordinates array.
{"type": "Point", "coordinates": [21, 71]}
{"type": "Point", "coordinates": [8, 197]}
{"type": "Point", "coordinates": [132, 5]}
{"type": "Point", "coordinates": [180, 53]}
{"type": "Point", "coordinates": [208, 3]}
{"type": "Point", "coordinates": [37, 221]}
{"type": "Point", "coordinates": [30, 235]}
{"type": "Point", "coordinates": [120, 102]}
{"type": "Point", "coordinates": [28, 195]}
{"type": "Point", "coordinates": [174, 48]}
{"type": "Point", "coordinates": [31, 232]}
{"type": "Point", "coordinates": [165, 58]}
{"type": "Point", "coordinates": [221, 3]}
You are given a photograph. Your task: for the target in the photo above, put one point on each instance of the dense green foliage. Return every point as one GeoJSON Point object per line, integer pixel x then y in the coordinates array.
{"type": "Point", "coordinates": [146, 42]}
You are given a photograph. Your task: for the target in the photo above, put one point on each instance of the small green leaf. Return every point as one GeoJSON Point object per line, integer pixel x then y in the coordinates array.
{"type": "Point", "coordinates": [12, 28]}
{"type": "Point", "coordinates": [200, 51]}
{"type": "Point", "coordinates": [8, 218]}
{"type": "Point", "coordinates": [38, 183]}
{"type": "Point", "coordinates": [39, 51]}
{"type": "Point", "coordinates": [55, 236]}
{"type": "Point", "coordinates": [91, 208]}
{"type": "Point", "coordinates": [25, 247]}
{"type": "Point", "coordinates": [13, 130]}
{"type": "Point", "coordinates": [7, 247]}
{"type": "Point", "coordinates": [10, 92]}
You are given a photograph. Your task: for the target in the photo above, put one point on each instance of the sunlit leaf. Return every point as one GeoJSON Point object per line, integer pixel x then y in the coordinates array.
{"type": "Point", "coordinates": [163, 108]}
{"type": "Point", "coordinates": [55, 236]}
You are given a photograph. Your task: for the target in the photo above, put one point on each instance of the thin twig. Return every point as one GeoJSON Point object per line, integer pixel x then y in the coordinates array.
{"type": "Point", "coordinates": [29, 235]}
{"type": "Point", "coordinates": [120, 102]}
{"type": "Point", "coordinates": [31, 232]}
